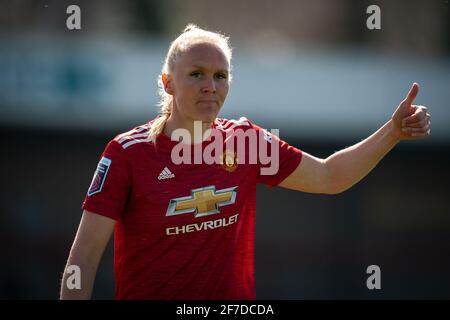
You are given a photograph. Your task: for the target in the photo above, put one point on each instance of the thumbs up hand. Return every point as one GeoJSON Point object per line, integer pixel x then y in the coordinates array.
{"type": "Point", "coordinates": [411, 121]}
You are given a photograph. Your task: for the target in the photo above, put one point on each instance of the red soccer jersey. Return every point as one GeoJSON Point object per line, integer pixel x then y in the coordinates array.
{"type": "Point", "coordinates": [183, 231]}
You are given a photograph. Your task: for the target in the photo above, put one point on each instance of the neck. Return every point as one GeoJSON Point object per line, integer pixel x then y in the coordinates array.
{"type": "Point", "coordinates": [196, 129]}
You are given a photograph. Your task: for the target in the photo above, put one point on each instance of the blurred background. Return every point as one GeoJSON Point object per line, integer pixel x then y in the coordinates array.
{"type": "Point", "coordinates": [310, 68]}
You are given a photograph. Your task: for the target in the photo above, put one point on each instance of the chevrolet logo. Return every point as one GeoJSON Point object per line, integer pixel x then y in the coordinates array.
{"type": "Point", "coordinates": [202, 201]}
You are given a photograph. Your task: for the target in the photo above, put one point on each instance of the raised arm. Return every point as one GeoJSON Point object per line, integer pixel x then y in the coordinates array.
{"type": "Point", "coordinates": [90, 242]}
{"type": "Point", "coordinates": [346, 167]}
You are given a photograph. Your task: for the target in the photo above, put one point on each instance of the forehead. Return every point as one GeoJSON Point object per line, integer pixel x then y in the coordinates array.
{"type": "Point", "coordinates": [205, 55]}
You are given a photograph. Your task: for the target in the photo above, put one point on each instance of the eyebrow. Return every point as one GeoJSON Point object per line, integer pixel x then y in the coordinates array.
{"type": "Point", "coordinates": [200, 67]}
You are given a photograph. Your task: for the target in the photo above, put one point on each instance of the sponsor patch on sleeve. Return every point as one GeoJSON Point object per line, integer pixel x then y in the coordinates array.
{"type": "Point", "coordinates": [99, 176]}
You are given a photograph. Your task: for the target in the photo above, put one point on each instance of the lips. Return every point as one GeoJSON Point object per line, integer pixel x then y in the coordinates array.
{"type": "Point", "coordinates": [208, 101]}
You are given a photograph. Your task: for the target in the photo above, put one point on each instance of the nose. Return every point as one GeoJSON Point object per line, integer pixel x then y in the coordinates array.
{"type": "Point", "coordinates": [209, 86]}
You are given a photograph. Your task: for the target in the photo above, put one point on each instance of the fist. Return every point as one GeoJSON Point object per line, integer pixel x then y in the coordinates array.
{"type": "Point", "coordinates": [411, 121]}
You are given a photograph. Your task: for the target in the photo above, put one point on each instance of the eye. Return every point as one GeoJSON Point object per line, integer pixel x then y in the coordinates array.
{"type": "Point", "coordinates": [221, 76]}
{"type": "Point", "coordinates": [195, 74]}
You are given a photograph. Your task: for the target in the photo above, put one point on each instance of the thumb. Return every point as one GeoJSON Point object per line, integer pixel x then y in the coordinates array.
{"type": "Point", "coordinates": [412, 94]}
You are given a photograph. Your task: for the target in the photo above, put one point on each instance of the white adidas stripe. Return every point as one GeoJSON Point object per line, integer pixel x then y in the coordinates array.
{"type": "Point", "coordinates": [130, 143]}
{"type": "Point", "coordinates": [138, 135]}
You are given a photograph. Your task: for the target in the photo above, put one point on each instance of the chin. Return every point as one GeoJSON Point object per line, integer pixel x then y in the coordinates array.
{"type": "Point", "coordinates": [208, 117]}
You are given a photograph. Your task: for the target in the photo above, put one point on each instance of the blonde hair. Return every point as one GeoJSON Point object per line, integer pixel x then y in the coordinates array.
{"type": "Point", "coordinates": [190, 35]}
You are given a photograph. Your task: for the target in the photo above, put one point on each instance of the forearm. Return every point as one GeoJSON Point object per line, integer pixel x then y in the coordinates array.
{"type": "Point", "coordinates": [90, 242]}
{"type": "Point", "coordinates": [348, 166]}
{"type": "Point", "coordinates": [88, 270]}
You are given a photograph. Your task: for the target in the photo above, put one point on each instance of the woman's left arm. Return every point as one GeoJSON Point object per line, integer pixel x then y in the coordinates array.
{"type": "Point", "coordinates": [346, 167]}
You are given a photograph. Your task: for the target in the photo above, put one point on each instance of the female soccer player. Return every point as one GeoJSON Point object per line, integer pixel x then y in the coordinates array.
{"type": "Point", "coordinates": [185, 229]}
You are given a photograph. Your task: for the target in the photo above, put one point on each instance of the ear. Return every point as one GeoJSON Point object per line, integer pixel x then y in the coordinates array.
{"type": "Point", "coordinates": [167, 83]}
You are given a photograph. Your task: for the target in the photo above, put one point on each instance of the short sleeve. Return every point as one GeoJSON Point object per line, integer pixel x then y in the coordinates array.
{"type": "Point", "coordinates": [109, 190]}
{"type": "Point", "coordinates": [281, 160]}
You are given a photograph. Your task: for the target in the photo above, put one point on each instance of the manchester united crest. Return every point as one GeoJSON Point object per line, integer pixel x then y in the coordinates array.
{"type": "Point", "coordinates": [229, 160]}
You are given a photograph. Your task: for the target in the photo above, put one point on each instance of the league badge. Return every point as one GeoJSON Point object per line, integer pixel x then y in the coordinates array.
{"type": "Point", "coordinates": [99, 176]}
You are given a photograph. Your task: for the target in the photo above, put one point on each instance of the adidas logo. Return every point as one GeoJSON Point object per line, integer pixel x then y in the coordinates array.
{"type": "Point", "coordinates": [166, 174]}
